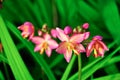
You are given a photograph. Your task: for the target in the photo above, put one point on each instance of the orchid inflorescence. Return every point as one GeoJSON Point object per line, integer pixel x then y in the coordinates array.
{"type": "Point", "coordinates": [71, 40]}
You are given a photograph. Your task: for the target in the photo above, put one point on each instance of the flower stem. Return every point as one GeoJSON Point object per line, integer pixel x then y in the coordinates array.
{"type": "Point", "coordinates": [79, 67]}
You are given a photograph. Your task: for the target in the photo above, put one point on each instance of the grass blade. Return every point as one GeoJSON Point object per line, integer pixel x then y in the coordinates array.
{"type": "Point", "coordinates": [110, 77]}
{"type": "Point", "coordinates": [68, 69]}
{"type": "Point", "coordinates": [1, 76]}
{"type": "Point", "coordinates": [15, 61]}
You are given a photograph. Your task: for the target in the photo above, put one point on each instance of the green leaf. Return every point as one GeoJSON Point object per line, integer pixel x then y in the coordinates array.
{"type": "Point", "coordinates": [58, 59]}
{"type": "Point", "coordinates": [1, 76]}
{"type": "Point", "coordinates": [68, 69]}
{"type": "Point", "coordinates": [111, 69]}
{"type": "Point", "coordinates": [110, 77]}
{"type": "Point", "coordinates": [45, 10]}
{"type": "Point", "coordinates": [3, 59]}
{"type": "Point", "coordinates": [113, 60]}
{"type": "Point", "coordinates": [111, 18]}
{"type": "Point", "coordinates": [15, 61]}
{"type": "Point", "coordinates": [86, 11]}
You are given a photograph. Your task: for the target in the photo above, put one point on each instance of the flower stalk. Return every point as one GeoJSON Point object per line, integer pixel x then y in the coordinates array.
{"type": "Point", "coordinates": [79, 67]}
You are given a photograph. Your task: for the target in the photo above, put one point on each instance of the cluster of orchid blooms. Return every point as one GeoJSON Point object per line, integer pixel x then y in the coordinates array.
{"type": "Point", "coordinates": [71, 40]}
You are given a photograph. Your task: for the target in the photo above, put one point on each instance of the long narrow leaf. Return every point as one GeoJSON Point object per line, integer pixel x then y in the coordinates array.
{"type": "Point", "coordinates": [15, 61]}
{"type": "Point", "coordinates": [110, 77]}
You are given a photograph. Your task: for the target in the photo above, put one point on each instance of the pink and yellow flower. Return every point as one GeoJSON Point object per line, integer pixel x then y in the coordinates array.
{"type": "Point", "coordinates": [70, 44]}
{"type": "Point", "coordinates": [27, 30]}
{"type": "Point", "coordinates": [44, 43]}
{"type": "Point", "coordinates": [97, 46]}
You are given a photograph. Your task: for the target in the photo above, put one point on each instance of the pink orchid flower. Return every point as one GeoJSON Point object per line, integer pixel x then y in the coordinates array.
{"type": "Point", "coordinates": [27, 30]}
{"type": "Point", "coordinates": [97, 46]}
{"type": "Point", "coordinates": [44, 43]}
{"type": "Point", "coordinates": [70, 44]}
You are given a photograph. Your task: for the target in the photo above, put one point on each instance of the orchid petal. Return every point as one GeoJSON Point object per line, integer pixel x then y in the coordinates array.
{"type": "Point", "coordinates": [68, 55]}
{"type": "Point", "coordinates": [24, 34]}
{"type": "Point", "coordinates": [52, 44]}
{"type": "Point", "coordinates": [48, 51]}
{"type": "Point", "coordinates": [103, 45]}
{"type": "Point", "coordinates": [101, 52]}
{"type": "Point", "coordinates": [79, 48]}
{"type": "Point", "coordinates": [61, 35]}
{"type": "Point", "coordinates": [47, 37]}
{"type": "Point", "coordinates": [21, 27]}
{"type": "Point", "coordinates": [77, 38]}
{"type": "Point", "coordinates": [62, 48]}
{"type": "Point", "coordinates": [86, 35]}
{"type": "Point", "coordinates": [31, 36]}
{"type": "Point", "coordinates": [54, 33]}
{"type": "Point", "coordinates": [37, 48]}
{"type": "Point", "coordinates": [37, 40]}
{"type": "Point", "coordinates": [28, 24]}
{"type": "Point", "coordinates": [97, 38]}
{"type": "Point", "coordinates": [89, 48]}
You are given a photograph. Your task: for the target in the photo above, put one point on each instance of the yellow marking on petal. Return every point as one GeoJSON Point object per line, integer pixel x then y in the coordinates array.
{"type": "Point", "coordinates": [25, 36]}
{"type": "Point", "coordinates": [41, 51]}
{"type": "Point", "coordinates": [44, 47]}
{"type": "Point", "coordinates": [95, 53]}
{"type": "Point", "coordinates": [69, 48]}
{"type": "Point", "coordinates": [76, 52]}
{"type": "Point", "coordinates": [100, 49]}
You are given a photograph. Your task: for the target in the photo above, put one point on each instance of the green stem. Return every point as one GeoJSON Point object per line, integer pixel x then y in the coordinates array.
{"type": "Point", "coordinates": [79, 67]}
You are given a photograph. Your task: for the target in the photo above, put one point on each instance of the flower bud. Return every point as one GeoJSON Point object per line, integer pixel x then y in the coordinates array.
{"type": "Point", "coordinates": [67, 30]}
{"type": "Point", "coordinates": [85, 26]}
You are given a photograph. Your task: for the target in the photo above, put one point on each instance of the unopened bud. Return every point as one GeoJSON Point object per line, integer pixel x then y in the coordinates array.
{"type": "Point", "coordinates": [85, 26]}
